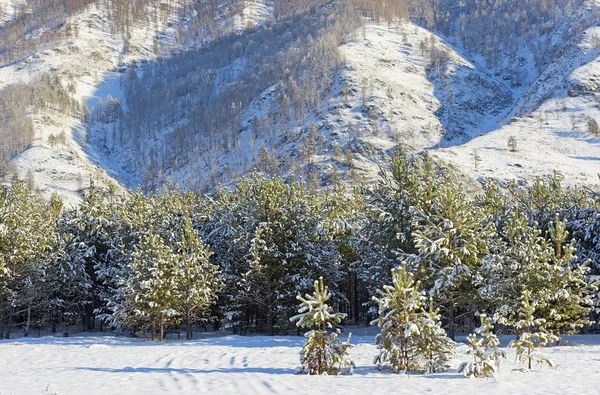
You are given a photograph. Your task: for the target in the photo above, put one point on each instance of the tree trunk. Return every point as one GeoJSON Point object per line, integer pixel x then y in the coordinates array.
{"type": "Point", "coordinates": [270, 322]}
{"type": "Point", "coordinates": [188, 330]}
{"type": "Point", "coordinates": [162, 327]}
{"type": "Point", "coordinates": [356, 301]}
{"type": "Point", "coordinates": [28, 321]}
{"type": "Point", "coordinates": [450, 318]}
{"type": "Point", "coordinates": [11, 312]}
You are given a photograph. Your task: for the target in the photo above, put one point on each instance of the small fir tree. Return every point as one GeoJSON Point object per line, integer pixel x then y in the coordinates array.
{"type": "Point", "coordinates": [484, 349]}
{"type": "Point", "coordinates": [533, 335]}
{"type": "Point", "coordinates": [323, 353]}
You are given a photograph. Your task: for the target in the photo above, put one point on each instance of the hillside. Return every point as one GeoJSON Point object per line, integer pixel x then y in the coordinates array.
{"type": "Point", "coordinates": [316, 94]}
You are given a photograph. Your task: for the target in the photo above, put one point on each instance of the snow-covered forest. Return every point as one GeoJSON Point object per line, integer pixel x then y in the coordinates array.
{"type": "Point", "coordinates": [171, 261]}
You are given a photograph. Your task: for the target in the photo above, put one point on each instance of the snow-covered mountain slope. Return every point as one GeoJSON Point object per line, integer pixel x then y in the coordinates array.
{"type": "Point", "coordinates": [398, 84]}
{"type": "Point", "coordinates": [90, 63]}
{"type": "Point", "coordinates": [8, 9]}
{"type": "Point", "coordinates": [550, 124]}
{"type": "Point", "coordinates": [83, 61]}
{"type": "Point", "coordinates": [391, 91]}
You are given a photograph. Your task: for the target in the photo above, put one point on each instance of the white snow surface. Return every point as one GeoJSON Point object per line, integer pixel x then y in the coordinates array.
{"type": "Point", "coordinates": [262, 365]}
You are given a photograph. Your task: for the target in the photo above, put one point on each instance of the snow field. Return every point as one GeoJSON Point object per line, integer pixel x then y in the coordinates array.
{"type": "Point", "coordinates": [261, 365]}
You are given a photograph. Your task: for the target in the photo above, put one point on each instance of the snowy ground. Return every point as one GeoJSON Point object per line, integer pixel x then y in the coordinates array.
{"type": "Point", "coordinates": [259, 365]}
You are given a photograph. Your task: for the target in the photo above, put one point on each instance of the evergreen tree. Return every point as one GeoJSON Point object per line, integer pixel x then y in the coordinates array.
{"type": "Point", "coordinates": [400, 306]}
{"type": "Point", "coordinates": [433, 342]}
{"type": "Point", "coordinates": [411, 338]}
{"type": "Point", "coordinates": [568, 311]}
{"type": "Point", "coordinates": [533, 334]}
{"type": "Point", "coordinates": [484, 349]}
{"type": "Point", "coordinates": [451, 239]}
{"type": "Point", "coordinates": [388, 218]}
{"type": "Point", "coordinates": [68, 283]}
{"type": "Point", "coordinates": [198, 281]}
{"type": "Point", "coordinates": [525, 261]}
{"type": "Point", "coordinates": [323, 353]}
{"type": "Point", "coordinates": [148, 292]}
{"type": "Point", "coordinates": [27, 236]}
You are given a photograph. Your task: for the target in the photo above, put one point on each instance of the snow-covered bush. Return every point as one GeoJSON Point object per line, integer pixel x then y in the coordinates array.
{"type": "Point", "coordinates": [323, 353]}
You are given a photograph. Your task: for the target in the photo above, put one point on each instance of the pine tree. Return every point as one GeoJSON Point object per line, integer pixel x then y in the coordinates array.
{"type": "Point", "coordinates": [68, 283]}
{"type": "Point", "coordinates": [451, 239]}
{"type": "Point", "coordinates": [149, 291]}
{"type": "Point", "coordinates": [27, 237]}
{"type": "Point", "coordinates": [512, 144]}
{"type": "Point", "coordinates": [523, 260]}
{"type": "Point", "coordinates": [433, 342]}
{"type": "Point", "coordinates": [533, 334]}
{"type": "Point", "coordinates": [569, 309]}
{"type": "Point", "coordinates": [323, 353]}
{"type": "Point", "coordinates": [387, 220]}
{"type": "Point", "coordinates": [198, 281]}
{"type": "Point", "coordinates": [484, 349]}
{"type": "Point", "coordinates": [400, 321]}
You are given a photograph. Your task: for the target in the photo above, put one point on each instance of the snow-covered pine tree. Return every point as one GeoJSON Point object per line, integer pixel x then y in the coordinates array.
{"type": "Point", "coordinates": [198, 281]}
{"type": "Point", "coordinates": [585, 225]}
{"type": "Point", "coordinates": [569, 309]}
{"type": "Point", "coordinates": [27, 235]}
{"type": "Point", "coordinates": [532, 334]}
{"type": "Point", "coordinates": [400, 319]}
{"type": "Point", "coordinates": [387, 219]}
{"type": "Point", "coordinates": [149, 294]}
{"type": "Point", "coordinates": [433, 342]}
{"type": "Point", "coordinates": [484, 345]}
{"type": "Point", "coordinates": [523, 260]}
{"type": "Point", "coordinates": [94, 243]}
{"type": "Point", "coordinates": [323, 353]}
{"type": "Point", "coordinates": [68, 283]}
{"type": "Point", "coordinates": [451, 239]}
{"type": "Point", "coordinates": [517, 262]}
